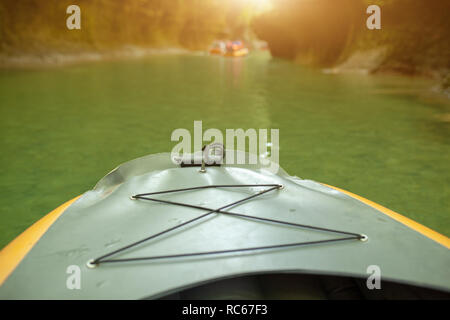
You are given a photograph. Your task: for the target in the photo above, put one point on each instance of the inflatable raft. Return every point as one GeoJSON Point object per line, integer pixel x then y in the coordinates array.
{"type": "Point", "coordinates": [237, 53]}
{"type": "Point", "coordinates": [236, 49]}
{"type": "Point", "coordinates": [155, 229]}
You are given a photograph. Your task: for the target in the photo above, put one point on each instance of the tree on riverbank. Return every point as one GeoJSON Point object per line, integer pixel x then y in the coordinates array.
{"type": "Point", "coordinates": [35, 26]}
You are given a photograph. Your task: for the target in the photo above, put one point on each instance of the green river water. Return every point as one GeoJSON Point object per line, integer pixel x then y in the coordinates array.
{"type": "Point", "coordinates": [62, 129]}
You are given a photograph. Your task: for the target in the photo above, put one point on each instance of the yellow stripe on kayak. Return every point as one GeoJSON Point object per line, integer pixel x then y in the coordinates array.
{"type": "Point", "coordinates": [429, 233]}
{"type": "Point", "coordinates": [16, 250]}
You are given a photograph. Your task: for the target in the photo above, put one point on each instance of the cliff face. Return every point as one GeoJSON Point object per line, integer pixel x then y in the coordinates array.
{"type": "Point", "coordinates": [313, 31]}
{"type": "Point", "coordinates": [414, 38]}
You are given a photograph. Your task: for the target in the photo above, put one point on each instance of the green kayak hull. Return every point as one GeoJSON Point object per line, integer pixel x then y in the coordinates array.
{"type": "Point", "coordinates": [40, 263]}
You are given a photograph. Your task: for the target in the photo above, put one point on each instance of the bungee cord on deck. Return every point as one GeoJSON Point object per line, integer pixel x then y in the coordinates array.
{"type": "Point", "coordinates": [271, 187]}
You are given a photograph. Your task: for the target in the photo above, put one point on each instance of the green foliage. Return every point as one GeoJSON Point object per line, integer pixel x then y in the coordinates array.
{"type": "Point", "coordinates": [40, 26]}
{"type": "Point", "coordinates": [417, 33]}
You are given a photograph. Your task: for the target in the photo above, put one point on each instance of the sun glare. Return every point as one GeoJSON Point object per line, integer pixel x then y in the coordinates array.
{"type": "Point", "coordinates": [260, 5]}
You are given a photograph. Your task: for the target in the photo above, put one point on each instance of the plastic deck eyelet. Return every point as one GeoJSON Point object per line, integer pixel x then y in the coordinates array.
{"type": "Point", "coordinates": [364, 238]}
{"type": "Point", "coordinates": [90, 264]}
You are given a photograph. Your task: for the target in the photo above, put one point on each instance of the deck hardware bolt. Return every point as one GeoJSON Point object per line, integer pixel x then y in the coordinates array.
{"type": "Point", "coordinates": [203, 168]}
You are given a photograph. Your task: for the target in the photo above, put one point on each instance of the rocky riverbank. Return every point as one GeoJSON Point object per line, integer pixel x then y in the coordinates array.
{"type": "Point", "coordinates": [52, 59]}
